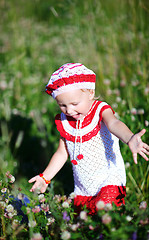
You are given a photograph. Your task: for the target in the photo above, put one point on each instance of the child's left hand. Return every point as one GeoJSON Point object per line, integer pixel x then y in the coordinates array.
{"type": "Point", "coordinates": [137, 146]}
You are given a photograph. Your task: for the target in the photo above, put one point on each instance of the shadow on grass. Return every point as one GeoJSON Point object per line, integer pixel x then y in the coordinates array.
{"type": "Point", "coordinates": [32, 156]}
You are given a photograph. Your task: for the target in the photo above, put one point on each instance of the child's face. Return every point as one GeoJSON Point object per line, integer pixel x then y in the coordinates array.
{"type": "Point", "coordinates": [76, 103]}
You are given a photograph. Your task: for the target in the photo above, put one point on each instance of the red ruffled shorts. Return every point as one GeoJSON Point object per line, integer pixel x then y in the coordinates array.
{"type": "Point", "coordinates": [108, 194]}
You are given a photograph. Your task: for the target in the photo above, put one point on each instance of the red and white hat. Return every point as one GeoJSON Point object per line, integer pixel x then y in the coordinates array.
{"type": "Point", "coordinates": [70, 76]}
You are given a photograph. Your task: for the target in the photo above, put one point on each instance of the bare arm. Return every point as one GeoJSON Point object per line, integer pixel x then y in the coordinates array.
{"type": "Point", "coordinates": [115, 126]}
{"type": "Point", "coordinates": [56, 163]}
{"type": "Point", "coordinates": [120, 130]}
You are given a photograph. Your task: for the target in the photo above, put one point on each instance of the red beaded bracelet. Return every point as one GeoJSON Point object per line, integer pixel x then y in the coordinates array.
{"type": "Point", "coordinates": [46, 181]}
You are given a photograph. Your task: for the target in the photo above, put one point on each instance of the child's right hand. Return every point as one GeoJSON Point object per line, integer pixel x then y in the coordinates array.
{"type": "Point", "coordinates": [39, 184]}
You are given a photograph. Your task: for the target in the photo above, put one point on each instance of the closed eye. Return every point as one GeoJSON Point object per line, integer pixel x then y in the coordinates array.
{"type": "Point", "coordinates": [74, 104]}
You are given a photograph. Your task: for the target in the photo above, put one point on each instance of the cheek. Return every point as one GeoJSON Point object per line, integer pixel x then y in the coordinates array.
{"type": "Point", "coordinates": [63, 109]}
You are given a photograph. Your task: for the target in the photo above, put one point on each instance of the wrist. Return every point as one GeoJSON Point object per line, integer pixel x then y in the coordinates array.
{"type": "Point", "coordinates": [130, 139]}
{"type": "Point", "coordinates": [46, 181]}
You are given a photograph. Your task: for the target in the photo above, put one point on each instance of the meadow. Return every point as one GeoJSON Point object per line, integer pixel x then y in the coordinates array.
{"type": "Point", "coordinates": [36, 38]}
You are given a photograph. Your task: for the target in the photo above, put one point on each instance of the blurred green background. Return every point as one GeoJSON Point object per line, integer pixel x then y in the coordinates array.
{"type": "Point", "coordinates": [36, 38]}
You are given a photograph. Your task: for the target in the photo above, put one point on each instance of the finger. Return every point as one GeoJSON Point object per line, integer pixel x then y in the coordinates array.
{"type": "Point", "coordinates": [32, 179]}
{"type": "Point", "coordinates": [43, 189]}
{"type": "Point", "coordinates": [135, 158]}
{"type": "Point", "coordinates": [145, 151]}
{"type": "Point", "coordinates": [141, 133]}
{"type": "Point", "coordinates": [146, 146]}
{"type": "Point", "coordinates": [143, 155]}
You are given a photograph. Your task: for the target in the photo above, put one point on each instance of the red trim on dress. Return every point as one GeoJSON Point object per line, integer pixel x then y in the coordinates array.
{"type": "Point", "coordinates": [87, 120]}
{"type": "Point", "coordinates": [108, 194]}
{"type": "Point", "coordinates": [104, 108]}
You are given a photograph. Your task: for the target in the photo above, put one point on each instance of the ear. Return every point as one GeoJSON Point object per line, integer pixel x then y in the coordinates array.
{"type": "Point", "coordinates": [91, 94]}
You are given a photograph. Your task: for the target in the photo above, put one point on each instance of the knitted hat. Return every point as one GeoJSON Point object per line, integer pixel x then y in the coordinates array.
{"type": "Point", "coordinates": [70, 76]}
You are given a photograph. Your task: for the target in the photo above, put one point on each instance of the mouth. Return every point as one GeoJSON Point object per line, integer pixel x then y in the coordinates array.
{"type": "Point", "coordinates": [76, 116]}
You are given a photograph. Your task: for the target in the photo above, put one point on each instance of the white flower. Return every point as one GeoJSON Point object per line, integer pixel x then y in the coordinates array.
{"type": "Point", "coordinates": [15, 224]}
{"type": "Point", "coordinates": [114, 105]}
{"type": "Point", "coordinates": [37, 236]}
{"type": "Point", "coordinates": [127, 165]}
{"type": "Point", "coordinates": [20, 196]}
{"type": "Point", "coordinates": [74, 227]}
{"type": "Point", "coordinates": [65, 204]}
{"type": "Point", "coordinates": [32, 223]}
{"type": "Point", "coordinates": [12, 179]}
{"type": "Point", "coordinates": [50, 221]}
{"type": "Point", "coordinates": [108, 207]}
{"type": "Point", "coordinates": [10, 215]}
{"type": "Point", "coordinates": [83, 215]}
{"type": "Point", "coordinates": [65, 235]}
{"type": "Point", "coordinates": [118, 99]}
{"type": "Point", "coordinates": [107, 82]}
{"type": "Point", "coordinates": [72, 195]}
{"type": "Point", "coordinates": [4, 190]}
{"type": "Point", "coordinates": [3, 85]}
{"type": "Point", "coordinates": [106, 219]}
{"type": "Point", "coordinates": [100, 205]}
{"type": "Point", "coordinates": [133, 111]}
{"type": "Point", "coordinates": [113, 229]}
{"type": "Point", "coordinates": [10, 208]}
{"type": "Point", "coordinates": [143, 205]}
{"type": "Point", "coordinates": [2, 204]}
{"type": "Point", "coordinates": [41, 197]}
{"type": "Point", "coordinates": [141, 111]}
{"type": "Point", "coordinates": [132, 118]}
{"type": "Point", "coordinates": [146, 123]}
{"type": "Point", "coordinates": [128, 218]}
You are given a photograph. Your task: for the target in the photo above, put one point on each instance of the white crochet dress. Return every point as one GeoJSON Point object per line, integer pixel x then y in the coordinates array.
{"type": "Point", "coordinates": [89, 140]}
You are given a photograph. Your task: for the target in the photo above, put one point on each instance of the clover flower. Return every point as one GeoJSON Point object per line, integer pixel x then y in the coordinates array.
{"type": "Point", "coordinates": [36, 209]}
{"type": "Point", "coordinates": [140, 111]}
{"type": "Point", "coordinates": [12, 179]}
{"type": "Point", "coordinates": [50, 221]}
{"type": "Point", "coordinates": [65, 235]}
{"type": "Point", "coordinates": [57, 198]}
{"type": "Point", "coordinates": [146, 123]}
{"type": "Point", "coordinates": [83, 215]}
{"type": "Point", "coordinates": [100, 205]}
{"type": "Point", "coordinates": [72, 195]}
{"type": "Point", "coordinates": [143, 205]}
{"type": "Point", "coordinates": [106, 218]}
{"type": "Point", "coordinates": [74, 227]}
{"type": "Point", "coordinates": [65, 204]}
{"type": "Point", "coordinates": [37, 236]}
{"type": "Point", "coordinates": [15, 224]}
{"type": "Point", "coordinates": [127, 165]}
{"type": "Point", "coordinates": [128, 218]}
{"type": "Point", "coordinates": [133, 111]}
{"type": "Point", "coordinates": [9, 208]}
{"type": "Point", "coordinates": [45, 207]}
{"type": "Point", "coordinates": [122, 83]}
{"type": "Point", "coordinates": [4, 190]}
{"type": "Point", "coordinates": [41, 198]}
{"type": "Point", "coordinates": [2, 204]}
{"type": "Point", "coordinates": [108, 207]}
{"type": "Point", "coordinates": [32, 223]}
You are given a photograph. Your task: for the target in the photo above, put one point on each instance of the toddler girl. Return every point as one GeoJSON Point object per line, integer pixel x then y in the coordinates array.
{"type": "Point", "coordinates": [89, 134]}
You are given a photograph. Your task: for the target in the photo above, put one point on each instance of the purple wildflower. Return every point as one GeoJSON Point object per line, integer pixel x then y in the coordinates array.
{"type": "Point", "coordinates": [101, 237]}
{"type": "Point", "coordinates": [65, 216]}
{"type": "Point", "coordinates": [134, 236]}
